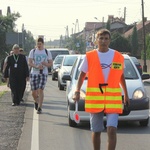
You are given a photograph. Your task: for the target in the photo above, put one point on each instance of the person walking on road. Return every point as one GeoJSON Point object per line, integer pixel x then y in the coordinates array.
{"type": "Point", "coordinates": [17, 71]}
{"type": "Point", "coordinates": [105, 68]}
{"type": "Point", "coordinates": [39, 59]}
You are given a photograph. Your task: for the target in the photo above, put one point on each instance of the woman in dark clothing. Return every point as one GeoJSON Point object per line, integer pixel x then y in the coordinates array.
{"type": "Point", "coordinates": [18, 73]}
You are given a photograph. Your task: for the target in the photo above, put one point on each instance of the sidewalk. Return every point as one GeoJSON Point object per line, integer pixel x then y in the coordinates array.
{"type": "Point", "coordinates": [11, 119]}
{"type": "Point", "coordinates": [4, 88]}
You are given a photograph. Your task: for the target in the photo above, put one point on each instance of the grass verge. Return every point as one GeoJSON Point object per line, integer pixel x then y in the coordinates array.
{"type": "Point", "coordinates": [2, 93]}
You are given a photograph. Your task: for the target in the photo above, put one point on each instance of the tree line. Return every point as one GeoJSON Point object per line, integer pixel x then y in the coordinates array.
{"type": "Point", "coordinates": [7, 25]}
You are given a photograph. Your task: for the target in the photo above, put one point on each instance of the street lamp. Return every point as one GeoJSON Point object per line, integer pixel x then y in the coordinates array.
{"type": "Point", "coordinates": [96, 19]}
{"type": "Point", "coordinates": [144, 45]}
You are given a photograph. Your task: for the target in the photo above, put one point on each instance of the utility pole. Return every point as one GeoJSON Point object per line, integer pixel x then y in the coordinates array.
{"type": "Point", "coordinates": [23, 36]}
{"type": "Point", "coordinates": [144, 45]}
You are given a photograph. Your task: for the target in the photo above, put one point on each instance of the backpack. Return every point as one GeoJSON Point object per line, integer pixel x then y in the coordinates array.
{"type": "Point", "coordinates": [46, 51]}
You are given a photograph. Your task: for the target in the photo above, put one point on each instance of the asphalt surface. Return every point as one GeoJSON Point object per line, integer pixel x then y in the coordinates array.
{"type": "Point", "coordinates": [12, 120]}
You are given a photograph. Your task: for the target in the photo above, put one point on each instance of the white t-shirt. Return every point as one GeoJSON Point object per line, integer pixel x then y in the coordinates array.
{"type": "Point", "coordinates": [39, 56]}
{"type": "Point", "coordinates": [105, 59]}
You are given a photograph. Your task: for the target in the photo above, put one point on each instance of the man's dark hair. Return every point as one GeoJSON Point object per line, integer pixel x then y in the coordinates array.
{"type": "Point", "coordinates": [40, 40]}
{"type": "Point", "coordinates": [103, 32]}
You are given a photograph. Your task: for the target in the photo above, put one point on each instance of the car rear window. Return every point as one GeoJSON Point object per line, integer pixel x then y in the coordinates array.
{"type": "Point", "coordinates": [58, 52]}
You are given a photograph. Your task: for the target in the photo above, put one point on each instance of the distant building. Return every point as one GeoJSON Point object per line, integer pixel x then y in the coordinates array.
{"type": "Point", "coordinates": [139, 27]}
{"type": "Point", "coordinates": [90, 29]}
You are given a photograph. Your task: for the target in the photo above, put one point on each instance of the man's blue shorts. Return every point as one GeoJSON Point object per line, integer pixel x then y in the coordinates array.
{"type": "Point", "coordinates": [96, 121]}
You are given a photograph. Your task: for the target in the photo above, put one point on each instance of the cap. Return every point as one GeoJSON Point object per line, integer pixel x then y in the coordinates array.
{"type": "Point", "coordinates": [16, 46]}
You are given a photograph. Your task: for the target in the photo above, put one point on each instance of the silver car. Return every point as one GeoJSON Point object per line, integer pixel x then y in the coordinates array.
{"type": "Point", "coordinates": [139, 102]}
{"type": "Point", "coordinates": [56, 64]}
{"type": "Point", "coordinates": [65, 69]}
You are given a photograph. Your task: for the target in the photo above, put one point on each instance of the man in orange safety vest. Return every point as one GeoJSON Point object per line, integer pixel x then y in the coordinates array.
{"type": "Point", "coordinates": [105, 68]}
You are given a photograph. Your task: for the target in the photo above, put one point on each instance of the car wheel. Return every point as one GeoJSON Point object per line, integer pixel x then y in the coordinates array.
{"type": "Point", "coordinates": [61, 87]}
{"type": "Point", "coordinates": [58, 83]}
{"type": "Point", "coordinates": [144, 123]}
{"type": "Point", "coordinates": [53, 77]}
{"type": "Point", "coordinates": [71, 122]}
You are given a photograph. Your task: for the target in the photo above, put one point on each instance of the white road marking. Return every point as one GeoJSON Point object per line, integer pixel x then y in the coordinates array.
{"type": "Point", "coordinates": [28, 87]}
{"type": "Point", "coordinates": [35, 132]}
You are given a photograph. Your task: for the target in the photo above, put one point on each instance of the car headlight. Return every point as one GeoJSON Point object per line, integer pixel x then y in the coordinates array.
{"type": "Point", "coordinates": [57, 69]}
{"type": "Point", "coordinates": [138, 94]}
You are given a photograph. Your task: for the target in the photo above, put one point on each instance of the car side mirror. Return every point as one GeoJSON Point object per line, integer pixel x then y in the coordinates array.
{"type": "Point", "coordinates": [66, 77]}
{"type": "Point", "coordinates": [145, 76]}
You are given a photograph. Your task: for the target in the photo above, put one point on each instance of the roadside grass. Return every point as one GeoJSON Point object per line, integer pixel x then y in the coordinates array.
{"type": "Point", "coordinates": [2, 93]}
{"type": "Point", "coordinates": [1, 83]}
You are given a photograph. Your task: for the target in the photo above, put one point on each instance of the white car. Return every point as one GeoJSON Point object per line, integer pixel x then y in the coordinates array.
{"type": "Point", "coordinates": [65, 68]}
{"type": "Point", "coordinates": [139, 102]}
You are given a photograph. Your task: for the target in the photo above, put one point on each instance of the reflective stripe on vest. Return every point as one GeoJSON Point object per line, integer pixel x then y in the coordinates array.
{"type": "Point", "coordinates": [113, 90]}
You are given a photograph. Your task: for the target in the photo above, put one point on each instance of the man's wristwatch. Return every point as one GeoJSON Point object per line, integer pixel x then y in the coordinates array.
{"type": "Point", "coordinates": [77, 92]}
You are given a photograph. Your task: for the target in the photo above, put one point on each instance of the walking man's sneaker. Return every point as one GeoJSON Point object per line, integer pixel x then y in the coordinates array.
{"type": "Point", "coordinates": [39, 111]}
{"type": "Point", "coordinates": [36, 105]}
{"type": "Point", "coordinates": [13, 104]}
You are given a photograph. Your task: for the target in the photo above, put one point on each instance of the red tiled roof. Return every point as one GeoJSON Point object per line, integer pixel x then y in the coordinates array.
{"type": "Point", "coordinates": [92, 25]}
{"type": "Point", "coordinates": [138, 26]}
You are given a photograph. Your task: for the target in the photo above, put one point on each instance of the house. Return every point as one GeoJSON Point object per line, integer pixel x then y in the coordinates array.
{"type": "Point", "coordinates": [139, 27]}
{"type": "Point", "coordinates": [90, 29]}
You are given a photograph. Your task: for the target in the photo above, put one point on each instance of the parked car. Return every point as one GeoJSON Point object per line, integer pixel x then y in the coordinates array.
{"type": "Point", "coordinates": [139, 101]}
{"type": "Point", "coordinates": [56, 65]}
{"type": "Point", "coordinates": [58, 51]}
{"type": "Point", "coordinates": [65, 68]}
{"type": "Point", "coordinates": [138, 65]}
{"type": "Point", "coordinates": [55, 52]}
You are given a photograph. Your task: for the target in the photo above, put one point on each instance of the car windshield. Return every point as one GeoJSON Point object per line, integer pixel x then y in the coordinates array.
{"type": "Point", "coordinates": [58, 52]}
{"type": "Point", "coordinates": [129, 71]}
{"type": "Point", "coordinates": [135, 60]}
{"type": "Point", "coordinates": [69, 60]}
{"type": "Point", "coordinates": [58, 60]}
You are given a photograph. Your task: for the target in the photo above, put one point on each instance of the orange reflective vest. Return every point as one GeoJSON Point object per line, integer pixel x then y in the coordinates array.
{"type": "Point", "coordinates": [101, 96]}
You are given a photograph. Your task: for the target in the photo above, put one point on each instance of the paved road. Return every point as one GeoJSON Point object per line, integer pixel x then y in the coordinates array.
{"type": "Point", "coordinates": [50, 131]}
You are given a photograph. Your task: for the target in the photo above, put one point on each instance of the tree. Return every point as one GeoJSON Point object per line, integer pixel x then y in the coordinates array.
{"type": "Point", "coordinates": [134, 42]}
{"type": "Point", "coordinates": [29, 41]}
{"type": "Point", "coordinates": [108, 25]}
{"type": "Point", "coordinates": [120, 43]}
{"type": "Point", "coordinates": [148, 46]}
{"type": "Point", "coordinates": [7, 24]}
{"type": "Point", "coordinates": [76, 43]}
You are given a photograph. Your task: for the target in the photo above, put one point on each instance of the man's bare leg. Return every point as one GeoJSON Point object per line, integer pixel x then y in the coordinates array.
{"type": "Point", "coordinates": [41, 96]}
{"type": "Point", "coordinates": [112, 137]}
{"type": "Point", "coordinates": [35, 95]}
{"type": "Point", "coordinates": [96, 140]}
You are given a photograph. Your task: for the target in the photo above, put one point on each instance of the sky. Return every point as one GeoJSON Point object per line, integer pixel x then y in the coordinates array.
{"type": "Point", "coordinates": [51, 17]}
